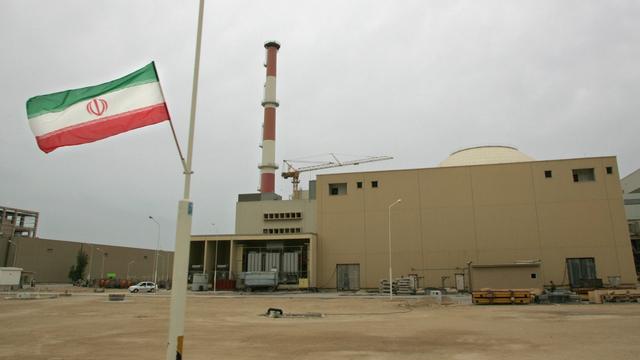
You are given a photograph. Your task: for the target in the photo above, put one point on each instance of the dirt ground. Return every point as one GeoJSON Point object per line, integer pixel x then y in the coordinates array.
{"type": "Point", "coordinates": [87, 326]}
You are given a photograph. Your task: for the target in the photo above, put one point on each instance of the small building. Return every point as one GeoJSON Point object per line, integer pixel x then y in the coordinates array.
{"type": "Point", "coordinates": [271, 233]}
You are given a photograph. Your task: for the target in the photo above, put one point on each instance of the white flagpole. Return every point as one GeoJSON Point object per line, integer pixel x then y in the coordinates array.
{"type": "Point", "coordinates": [183, 229]}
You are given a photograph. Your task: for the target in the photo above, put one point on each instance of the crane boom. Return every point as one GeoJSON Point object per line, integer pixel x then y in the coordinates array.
{"type": "Point", "coordinates": [294, 172]}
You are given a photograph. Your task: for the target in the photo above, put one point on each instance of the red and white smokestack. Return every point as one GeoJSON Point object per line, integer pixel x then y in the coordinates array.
{"type": "Point", "coordinates": [270, 103]}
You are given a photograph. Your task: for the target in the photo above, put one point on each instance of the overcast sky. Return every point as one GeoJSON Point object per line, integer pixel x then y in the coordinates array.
{"type": "Point", "coordinates": [414, 80]}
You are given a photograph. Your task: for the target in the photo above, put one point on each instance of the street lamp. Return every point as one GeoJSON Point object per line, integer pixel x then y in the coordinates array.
{"type": "Point", "coordinates": [155, 265]}
{"type": "Point", "coordinates": [90, 264]}
{"type": "Point", "coordinates": [104, 254]}
{"type": "Point", "coordinates": [390, 271]}
{"type": "Point", "coordinates": [215, 266]}
{"type": "Point", "coordinates": [130, 262]}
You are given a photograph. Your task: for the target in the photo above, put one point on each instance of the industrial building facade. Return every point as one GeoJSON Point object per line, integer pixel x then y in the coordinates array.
{"type": "Point", "coordinates": [49, 261]}
{"type": "Point", "coordinates": [564, 219]}
{"type": "Point", "coordinates": [270, 233]}
{"type": "Point", "coordinates": [516, 223]}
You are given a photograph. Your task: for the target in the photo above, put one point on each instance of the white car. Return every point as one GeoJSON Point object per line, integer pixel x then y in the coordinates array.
{"type": "Point", "coordinates": [145, 286]}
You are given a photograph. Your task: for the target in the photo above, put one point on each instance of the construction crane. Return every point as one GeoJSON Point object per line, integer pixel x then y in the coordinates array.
{"type": "Point", "coordinates": [293, 172]}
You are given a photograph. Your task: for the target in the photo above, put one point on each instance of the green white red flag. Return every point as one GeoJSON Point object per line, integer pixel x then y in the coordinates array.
{"type": "Point", "coordinates": [93, 113]}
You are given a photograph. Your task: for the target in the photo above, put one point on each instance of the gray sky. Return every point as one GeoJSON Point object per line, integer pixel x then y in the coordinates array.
{"type": "Point", "coordinates": [411, 79]}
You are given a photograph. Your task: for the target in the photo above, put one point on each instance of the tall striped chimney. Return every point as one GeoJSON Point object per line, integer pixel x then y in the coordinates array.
{"type": "Point", "coordinates": [269, 103]}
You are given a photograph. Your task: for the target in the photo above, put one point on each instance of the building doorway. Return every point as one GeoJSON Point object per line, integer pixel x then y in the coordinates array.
{"type": "Point", "coordinates": [582, 273]}
{"type": "Point", "coordinates": [348, 277]}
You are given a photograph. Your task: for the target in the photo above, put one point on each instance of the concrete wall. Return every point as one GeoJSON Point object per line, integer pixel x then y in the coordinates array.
{"type": "Point", "coordinates": [52, 259]}
{"type": "Point", "coordinates": [250, 220]}
{"type": "Point", "coordinates": [486, 214]}
{"type": "Point", "coordinates": [506, 277]}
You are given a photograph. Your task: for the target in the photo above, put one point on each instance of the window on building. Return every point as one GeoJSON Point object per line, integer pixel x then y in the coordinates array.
{"type": "Point", "coordinates": [299, 215]}
{"type": "Point", "coordinates": [374, 184]}
{"type": "Point", "coordinates": [547, 173]}
{"type": "Point", "coordinates": [338, 189]}
{"type": "Point", "coordinates": [582, 175]}
{"type": "Point", "coordinates": [534, 275]}
{"type": "Point", "coordinates": [265, 231]}
{"type": "Point", "coordinates": [266, 216]}
{"type": "Point", "coordinates": [609, 170]}
{"type": "Point", "coordinates": [359, 184]}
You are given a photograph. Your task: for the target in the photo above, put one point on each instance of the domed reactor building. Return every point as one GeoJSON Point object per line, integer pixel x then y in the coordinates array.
{"type": "Point", "coordinates": [486, 217]}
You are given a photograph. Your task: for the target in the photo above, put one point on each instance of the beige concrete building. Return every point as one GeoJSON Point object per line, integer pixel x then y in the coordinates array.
{"type": "Point", "coordinates": [275, 216]}
{"type": "Point", "coordinates": [486, 217]}
{"type": "Point", "coordinates": [50, 260]}
{"type": "Point", "coordinates": [270, 234]}
{"type": "Point", "coordinates": [521, 222]}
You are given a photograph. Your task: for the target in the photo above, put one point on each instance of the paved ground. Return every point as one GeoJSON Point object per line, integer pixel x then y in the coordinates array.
{"type": "Point", "coordinates": [86, 326]}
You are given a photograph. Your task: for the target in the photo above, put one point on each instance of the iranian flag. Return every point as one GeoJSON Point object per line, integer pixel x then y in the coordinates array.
{"type": "Point", "coordinates": [93, 113]}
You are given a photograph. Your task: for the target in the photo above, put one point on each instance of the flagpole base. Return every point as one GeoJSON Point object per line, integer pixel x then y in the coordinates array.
{"type": "Point", "coordinates": [179, 281]}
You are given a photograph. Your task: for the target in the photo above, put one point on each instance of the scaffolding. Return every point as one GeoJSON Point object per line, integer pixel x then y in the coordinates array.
{"type": "Point", "coordinates": [15, 224]}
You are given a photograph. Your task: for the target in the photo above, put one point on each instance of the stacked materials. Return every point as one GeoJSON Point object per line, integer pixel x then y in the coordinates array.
{"type": "Point", "coordinates": [383, 286]}
{"type": "Point", "coordinates": [502, 296]}
{"type": "Point", "coordinates": [406, 286]}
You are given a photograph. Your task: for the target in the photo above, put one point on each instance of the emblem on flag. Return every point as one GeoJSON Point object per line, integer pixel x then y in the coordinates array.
{"type": "Point", "coordinates": [97, 107]}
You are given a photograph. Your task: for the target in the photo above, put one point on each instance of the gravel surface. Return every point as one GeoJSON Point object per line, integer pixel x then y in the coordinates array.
{"type": "Point", "coordinates": [87, 326]}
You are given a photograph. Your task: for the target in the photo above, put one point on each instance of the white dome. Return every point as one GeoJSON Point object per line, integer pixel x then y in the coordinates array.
{"type": "Point", "coordinates": [480, 155]}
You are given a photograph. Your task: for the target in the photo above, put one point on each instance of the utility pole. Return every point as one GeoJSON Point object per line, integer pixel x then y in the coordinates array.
{"type": "Point", "coordinates": [390, 271]}
{"type": "Point", "coordinates": [155, 265]}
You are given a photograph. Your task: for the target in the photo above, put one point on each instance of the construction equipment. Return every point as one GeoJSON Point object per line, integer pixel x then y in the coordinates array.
{"type": "Point", "coordinates": [293, 172]}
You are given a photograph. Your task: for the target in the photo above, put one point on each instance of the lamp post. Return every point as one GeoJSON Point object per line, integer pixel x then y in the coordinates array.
{"type": "Point", "coordinates": [155, 265]}
{"type": "Point", "coordinates": [390, 271]}
{"type": "Point", "coordinates": [90, 264]}
{"type": "Point", "coordinates": [215, 266]}
{"type": "Point", "coordinates": [164, 271]}
{"type": "Point", "coordinates": [104, 254]}
{"type": "Point", "coordinates": [129, 264]}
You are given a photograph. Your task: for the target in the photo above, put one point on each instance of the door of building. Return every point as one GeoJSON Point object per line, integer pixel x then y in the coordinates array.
{"type": "Point", "coordinates": [348, 277]}
{"type": "Point", "coordinates": [460, 282]}
{"type": "Point", "coordinates": [582, 272]}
